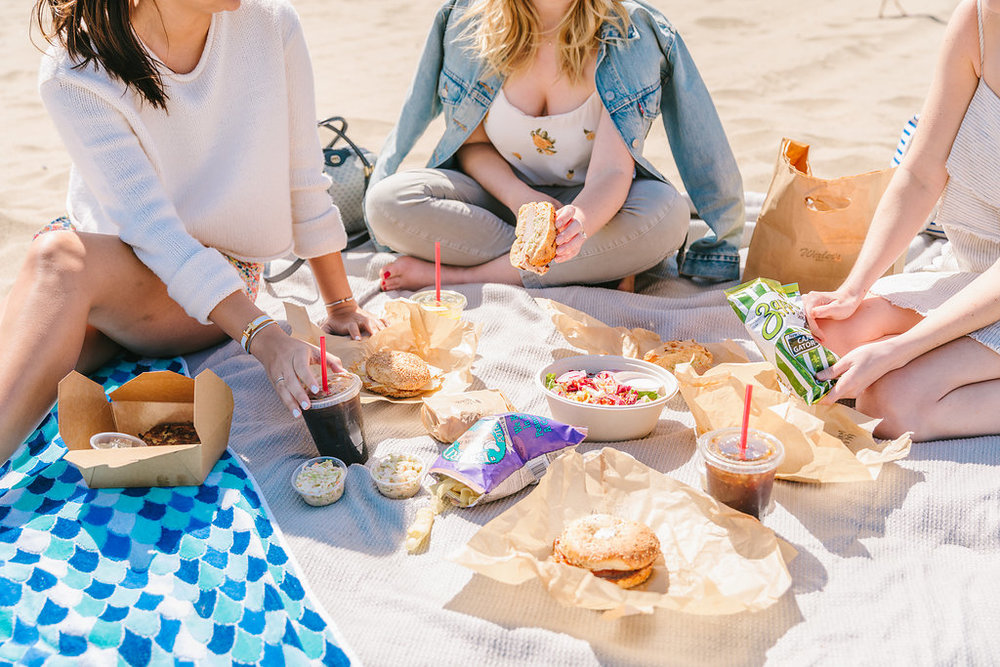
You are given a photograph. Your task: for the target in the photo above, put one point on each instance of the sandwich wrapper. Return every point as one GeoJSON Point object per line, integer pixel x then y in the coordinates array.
{"type": "Point", "coordinates": [823, 443]}
{"type": "Point", "coordinates": [715, 560]}
{"type": "Point", "coordinates": [448, 346]}
{"type": "Point", "coordinates": [595, 337]}
{"type": "Point", "coordinates": [448, 416]}
{"type": "Point", "coordinates": [502, 454]}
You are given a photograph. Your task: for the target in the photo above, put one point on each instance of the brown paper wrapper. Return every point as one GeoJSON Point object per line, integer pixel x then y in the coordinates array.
{"type": "Point", "coordinates": [823, 443]}
{"type": "Point", "coordinates": [448, 416]}
{"type": "Point", "coordinates": [595, 337]}
{"type": "Point", "coordinates": [446, 344]}
{"type": "Point", "coordinates": [715, 560]}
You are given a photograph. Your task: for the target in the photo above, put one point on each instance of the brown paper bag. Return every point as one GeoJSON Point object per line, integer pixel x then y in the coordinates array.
{"type": "Point", "coordinates": [715, 560]}
{"type": "Point", "coordinates": [448, 416]}
{"type": "Point", "coordinates": [810, 229]}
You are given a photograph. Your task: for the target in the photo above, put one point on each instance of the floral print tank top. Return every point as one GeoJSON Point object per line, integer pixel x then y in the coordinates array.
{"type": "Point", "coordinates": [545, 150]}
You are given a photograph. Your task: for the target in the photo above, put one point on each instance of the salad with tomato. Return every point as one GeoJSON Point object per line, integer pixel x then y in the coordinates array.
{"type": "Point", "coordinates": [596, 389]}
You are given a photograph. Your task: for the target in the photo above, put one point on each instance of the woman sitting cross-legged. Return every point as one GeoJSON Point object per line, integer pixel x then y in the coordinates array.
{"type": "Point", "coordinates": [922, 350]}
{"type": "Point", "coordinates": [191, 127]}
{"type": "Point", "coordinates": [551, 100]}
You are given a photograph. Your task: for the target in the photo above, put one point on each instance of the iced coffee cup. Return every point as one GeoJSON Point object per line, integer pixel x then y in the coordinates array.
{"type": "Point", "coordinates": [335, 422]}
{"type": "Point", "coordinates": [743, 483]}
{"type": "Point", "coordinates": [451, 304]}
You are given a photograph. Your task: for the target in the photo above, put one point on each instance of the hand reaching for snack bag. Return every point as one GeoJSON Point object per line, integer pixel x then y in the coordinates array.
{"type": "Point", "coordinates": [860, 368]}
{"type": "Point", "coordinates": [837, 305]}
{"type": "Point", "coordinates": [571, 234]}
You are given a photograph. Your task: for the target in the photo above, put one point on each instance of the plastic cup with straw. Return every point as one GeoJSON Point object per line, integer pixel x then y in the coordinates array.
{"type": "Point", "coordinates": [740, 463]}
{"type": "Point", "coordinates": [445, 302]}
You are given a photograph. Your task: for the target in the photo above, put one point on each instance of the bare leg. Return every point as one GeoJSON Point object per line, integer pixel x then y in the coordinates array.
{"type": "Point", "coordinates": [410, 273]}
{"type": "Point", "coordinates": [70, 280]}
{"type": "Point", "coordinates": [950, 392]}
{"type": "Point", "coordinates": [874, 319]}
{"type": "Point", "coordinates": [97, 350]}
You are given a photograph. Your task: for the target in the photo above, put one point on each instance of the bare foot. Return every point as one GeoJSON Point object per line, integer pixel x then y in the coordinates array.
{"type": "Point", "coordinates": [408, 273]}
{"type": "Point", "coordinates": [627, 284]}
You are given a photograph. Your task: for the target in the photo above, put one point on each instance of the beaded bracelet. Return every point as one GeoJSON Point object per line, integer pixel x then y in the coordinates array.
{"type": "Point", "coordinates": [339, 301]}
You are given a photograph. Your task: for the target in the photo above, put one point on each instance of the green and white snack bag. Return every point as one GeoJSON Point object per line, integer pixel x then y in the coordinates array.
{"type": "Point", "coordinates": [773, 315]}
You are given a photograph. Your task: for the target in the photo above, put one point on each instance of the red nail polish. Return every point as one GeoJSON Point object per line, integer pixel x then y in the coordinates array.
{"type": "Point", "coordinates": [385, 275]}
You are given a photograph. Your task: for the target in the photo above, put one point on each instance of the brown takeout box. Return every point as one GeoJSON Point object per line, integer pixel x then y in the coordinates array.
{"type": "Point", "coordinates": [142, 402]}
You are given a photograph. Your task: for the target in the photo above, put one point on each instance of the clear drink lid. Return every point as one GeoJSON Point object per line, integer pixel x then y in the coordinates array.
{"type": "Point", "coordinates": [721, 449]}
{"type": "Point", "coordinates": [343, 387]}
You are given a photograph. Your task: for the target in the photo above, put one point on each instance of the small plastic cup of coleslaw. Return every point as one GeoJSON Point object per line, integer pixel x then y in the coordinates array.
{"type": "Point", "coordinates": [397, 475]}
{"type": "Point", "coordinates": [321, 480]}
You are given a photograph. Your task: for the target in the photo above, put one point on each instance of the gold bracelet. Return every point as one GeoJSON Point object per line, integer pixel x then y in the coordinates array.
{"type": "Point", "coordinates": [253, 334]}
{"type": "Point", "coordinates": [251, 328]}
{"type": "Point", "coordinates": [339, 301]}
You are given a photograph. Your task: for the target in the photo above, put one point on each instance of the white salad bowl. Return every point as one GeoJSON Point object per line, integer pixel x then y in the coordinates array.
{"type": "Point", "coordinates": [611, 423]}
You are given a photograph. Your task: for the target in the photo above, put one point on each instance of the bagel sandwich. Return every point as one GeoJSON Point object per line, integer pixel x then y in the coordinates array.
{"type": "Point", "coordinates": [397, 374]}
{"type": "Point", "coordinates": [611, 548]}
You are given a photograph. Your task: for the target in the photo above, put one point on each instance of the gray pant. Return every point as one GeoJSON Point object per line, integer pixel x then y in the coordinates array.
{"type": "Point", "coordinates": [410, 210]}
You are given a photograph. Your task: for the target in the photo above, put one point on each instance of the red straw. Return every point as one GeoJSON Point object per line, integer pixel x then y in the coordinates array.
{"type": "Point", "coordinates": [322, 364]}
{"type": "Point", "coordinates": [437, 271]}
{"type": "Point", "coordinates": [746, 423]}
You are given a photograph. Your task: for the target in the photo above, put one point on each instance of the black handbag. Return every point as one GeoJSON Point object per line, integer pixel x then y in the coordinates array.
{"type": "Point", "coordinates": [349, 168]}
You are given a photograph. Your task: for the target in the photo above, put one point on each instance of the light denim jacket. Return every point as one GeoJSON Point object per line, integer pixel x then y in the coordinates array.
{"type": "Point", "coordinates": [640, 76]}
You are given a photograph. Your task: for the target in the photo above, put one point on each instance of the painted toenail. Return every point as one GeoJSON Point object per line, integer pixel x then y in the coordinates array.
{"type": "Point", "coordinates": [385, 275]}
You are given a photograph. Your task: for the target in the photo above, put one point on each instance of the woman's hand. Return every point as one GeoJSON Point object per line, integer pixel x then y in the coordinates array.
{"type": "Point", "coordinates": [860, 368]}
{"type": "Point", "coordinates": [837, 305]}
{"type": "Point", "coordinates": [530, 196]}
{"type": "Point", "coordinates": [349, 319]}
{"type": "Point", "coordinates": [571, 233]}
{"type": "Point", "coordinates": [286, 361]}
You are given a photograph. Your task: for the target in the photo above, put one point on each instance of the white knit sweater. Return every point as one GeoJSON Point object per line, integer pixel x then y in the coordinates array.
{"type": "Point", "coordinates": [232, 166]}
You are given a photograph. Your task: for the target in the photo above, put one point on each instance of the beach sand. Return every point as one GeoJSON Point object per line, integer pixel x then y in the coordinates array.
{"type": "Point", "coordinates": [830, 74]}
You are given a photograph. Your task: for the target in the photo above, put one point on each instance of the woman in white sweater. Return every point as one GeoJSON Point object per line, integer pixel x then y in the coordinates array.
{"type": "Point", "coordinates": [191, 127]}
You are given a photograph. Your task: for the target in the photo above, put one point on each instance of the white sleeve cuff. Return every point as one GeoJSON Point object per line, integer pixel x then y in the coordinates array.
{"type": "Point", "coordinates": [319, 236]}
{"type": "Point", "coordinates": [204, 280]}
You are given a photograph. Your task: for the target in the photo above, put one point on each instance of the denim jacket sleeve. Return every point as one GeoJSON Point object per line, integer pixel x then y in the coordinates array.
{"type": "Point", "coordinates": [421, 106]}
{"type": "Point", "coordinates": [706, 165]}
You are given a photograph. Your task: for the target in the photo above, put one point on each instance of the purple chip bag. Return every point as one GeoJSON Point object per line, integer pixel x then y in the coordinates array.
{"type": "Point", "coordinates": [501, 454]}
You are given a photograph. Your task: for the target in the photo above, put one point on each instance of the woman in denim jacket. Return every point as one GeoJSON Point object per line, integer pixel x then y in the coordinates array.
{"type": "Point", "coordinates": [578, 83]}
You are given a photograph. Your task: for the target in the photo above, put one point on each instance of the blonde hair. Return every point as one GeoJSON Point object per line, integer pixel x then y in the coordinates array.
{"type": "Point", "coordinates": [507, 32]}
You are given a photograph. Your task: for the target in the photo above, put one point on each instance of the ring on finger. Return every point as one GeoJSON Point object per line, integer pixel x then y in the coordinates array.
{"type": "Point", "coordinates": [279, 379]}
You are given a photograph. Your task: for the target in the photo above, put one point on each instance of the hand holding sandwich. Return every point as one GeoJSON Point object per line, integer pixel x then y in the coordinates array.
{"type": "Point", "coordinates": [571, 232]}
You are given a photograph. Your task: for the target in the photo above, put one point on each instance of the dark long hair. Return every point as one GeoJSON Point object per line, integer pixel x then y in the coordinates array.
{"type": "Point", "coordinates": [100, 32]}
